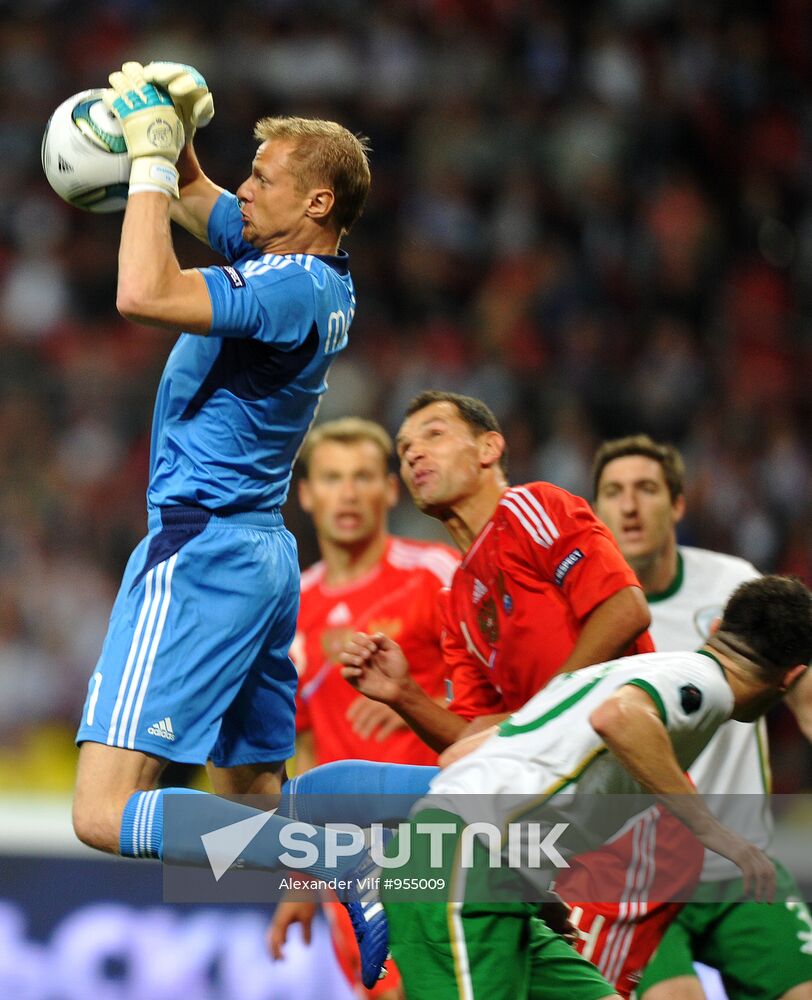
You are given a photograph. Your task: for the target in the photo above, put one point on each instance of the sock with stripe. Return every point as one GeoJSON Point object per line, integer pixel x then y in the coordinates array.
{"type": "Point", "coordinates": [355, 791]}
{"type": "Point", "coordinates": [143, 829]}
{"type": "Point", "coordinates": [142, 823]}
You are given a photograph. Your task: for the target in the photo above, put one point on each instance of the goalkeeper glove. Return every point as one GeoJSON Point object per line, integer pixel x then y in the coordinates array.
{"type": "Point", "coordinates": [187, 88]}
{"type": "Point", "coordinates": [152, 129]}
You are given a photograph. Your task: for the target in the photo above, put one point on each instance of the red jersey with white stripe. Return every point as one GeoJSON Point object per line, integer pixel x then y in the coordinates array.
{"type": "Point", "coordinates": [624, 895]}
{"type": "Point", "coordinates": [398, 597]}
{"type": "Point", "coordinates": [538, 568]}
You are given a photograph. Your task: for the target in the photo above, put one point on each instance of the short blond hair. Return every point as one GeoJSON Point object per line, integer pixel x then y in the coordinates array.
{"type": "Point", "coordinates": [345, 430]}
{"type": "Point", "coordinates": [325, 153]}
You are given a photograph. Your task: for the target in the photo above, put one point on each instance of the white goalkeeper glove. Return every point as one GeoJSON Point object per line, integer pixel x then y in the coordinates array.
{"type": "Point", "coordinates": [152, 129]}
{"type": "Point", "coordinates": [189, 92]}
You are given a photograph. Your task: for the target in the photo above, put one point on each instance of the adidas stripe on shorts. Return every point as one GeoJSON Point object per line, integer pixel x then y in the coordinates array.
{"type": "Point", "coordinates": [195, 664]}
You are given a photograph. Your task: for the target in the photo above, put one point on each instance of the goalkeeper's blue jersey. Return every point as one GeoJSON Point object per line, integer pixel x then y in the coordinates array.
{"type": "Point", "coordinates": [233, 407]}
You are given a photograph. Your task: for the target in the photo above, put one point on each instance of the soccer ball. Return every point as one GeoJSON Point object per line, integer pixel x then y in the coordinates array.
{"type": "Point", "coordinates": [84, 155]}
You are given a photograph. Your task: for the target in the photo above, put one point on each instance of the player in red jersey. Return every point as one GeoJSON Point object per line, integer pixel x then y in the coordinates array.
{"type": "Point", "coordinates": [370, 580]}
{"type": "Point", "coordinates": [542, 587]}
{"type": "Point", "coordinates": [398, 596]}
{"type": "Point", "coordinates": [367, 580]}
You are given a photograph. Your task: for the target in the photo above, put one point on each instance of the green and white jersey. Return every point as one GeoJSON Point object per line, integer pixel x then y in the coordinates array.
{"type": "Point", "coordinates": [734, 768]}
{"type": "Point", "coordinates": [548, 747]}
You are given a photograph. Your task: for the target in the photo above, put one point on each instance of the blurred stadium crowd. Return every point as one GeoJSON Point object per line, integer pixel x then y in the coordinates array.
{"type": "Point", "coordinates": [596, 216]}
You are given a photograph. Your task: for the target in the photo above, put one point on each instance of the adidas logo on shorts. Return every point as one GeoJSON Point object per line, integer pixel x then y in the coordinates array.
{"type": "Point", "coordinates": [163, 729]}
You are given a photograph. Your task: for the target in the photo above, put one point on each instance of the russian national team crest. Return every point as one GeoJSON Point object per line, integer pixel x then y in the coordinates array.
{"type": "Point", "coordinates": [487, 619]}
{"type": "Point", "coordinates": [487, 606]}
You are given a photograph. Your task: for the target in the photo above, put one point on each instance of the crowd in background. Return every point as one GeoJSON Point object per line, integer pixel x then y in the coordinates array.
{"type": "Point", "coordinates": [595, 216]}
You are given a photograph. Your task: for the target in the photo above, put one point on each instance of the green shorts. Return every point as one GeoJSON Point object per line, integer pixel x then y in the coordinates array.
{"type": "Point", "coordinates": [477, 950]}
{"type": "Point", "coordinates": [760, 949]}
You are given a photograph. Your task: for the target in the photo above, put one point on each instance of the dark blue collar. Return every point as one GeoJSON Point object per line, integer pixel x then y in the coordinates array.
{"type": "Point", "coordinates": [339, 262]}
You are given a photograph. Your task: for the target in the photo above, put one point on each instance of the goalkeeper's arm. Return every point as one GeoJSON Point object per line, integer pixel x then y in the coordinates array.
{"type": "Point", "coordinates": [152, 288]}
{"type": "Point", "coordinates": [197, 198]}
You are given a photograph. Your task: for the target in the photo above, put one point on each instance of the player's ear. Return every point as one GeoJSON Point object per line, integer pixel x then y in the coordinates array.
{"type": "Point", "coordinates": [320, 204]}
{"type": "Point", "coordinates": [792, 675]}
{"type": "Point", "coordinates": [714, 626]}
{"type": "Point", "coordinates": [491, 448]}
{"type": "Point", "coordinates": [678, 508]}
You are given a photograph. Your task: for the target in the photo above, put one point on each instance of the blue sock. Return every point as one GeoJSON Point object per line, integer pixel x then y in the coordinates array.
{"type": "Point", "coordinates": [142, 823]}
{"type": "Point", "coordinates": [143, 829]}
{"type": "Point", "coordinates": [355, 791]}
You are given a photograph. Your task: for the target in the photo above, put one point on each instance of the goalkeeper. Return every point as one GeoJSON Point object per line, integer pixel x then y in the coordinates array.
{"type": "Point", "coordinates": [195, 664]}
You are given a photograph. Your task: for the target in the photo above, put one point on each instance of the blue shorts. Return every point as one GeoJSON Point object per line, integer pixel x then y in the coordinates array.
{"type": "Point", "coordinates": [195, 664]}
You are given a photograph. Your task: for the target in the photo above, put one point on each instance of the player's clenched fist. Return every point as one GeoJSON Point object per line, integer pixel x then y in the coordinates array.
{"type": "Point", "coordinates": [189, 92]}
{"type": "Point", "coordinates": [375, 666]}
{"type": "Point", "coordinates": [152, 129]}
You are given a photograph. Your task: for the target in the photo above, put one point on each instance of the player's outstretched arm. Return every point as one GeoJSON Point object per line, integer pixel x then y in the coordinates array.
{"type": "Point", "coordinates": [376, 666]}
{"type": "Point", "coordinates": [609, 629]}
{"type": "Point", "coordinates": [629, 724]}
{"type": "Point", "coordinates": [198, 196]}
{"type": "Point", "coordinates": [152, 289]}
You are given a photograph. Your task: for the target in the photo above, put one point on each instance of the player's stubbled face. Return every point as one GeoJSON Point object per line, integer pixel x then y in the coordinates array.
{"type": "Point", "coordinates": [439, 457]}
{"type": "Point", "coordinates": [272, 203]}
{"type": "Point", "coordinates": [634, 503]}
{"type": "Point", "coordinates": [348, 491]}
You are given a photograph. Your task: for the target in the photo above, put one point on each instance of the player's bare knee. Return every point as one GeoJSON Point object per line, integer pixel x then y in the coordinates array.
{"type": "Point", "coordinates": [84, 826]}
{"type": "Point", "coordinates": [96, 824]}
{"type": "Point", "coordinates": [105, 779]}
